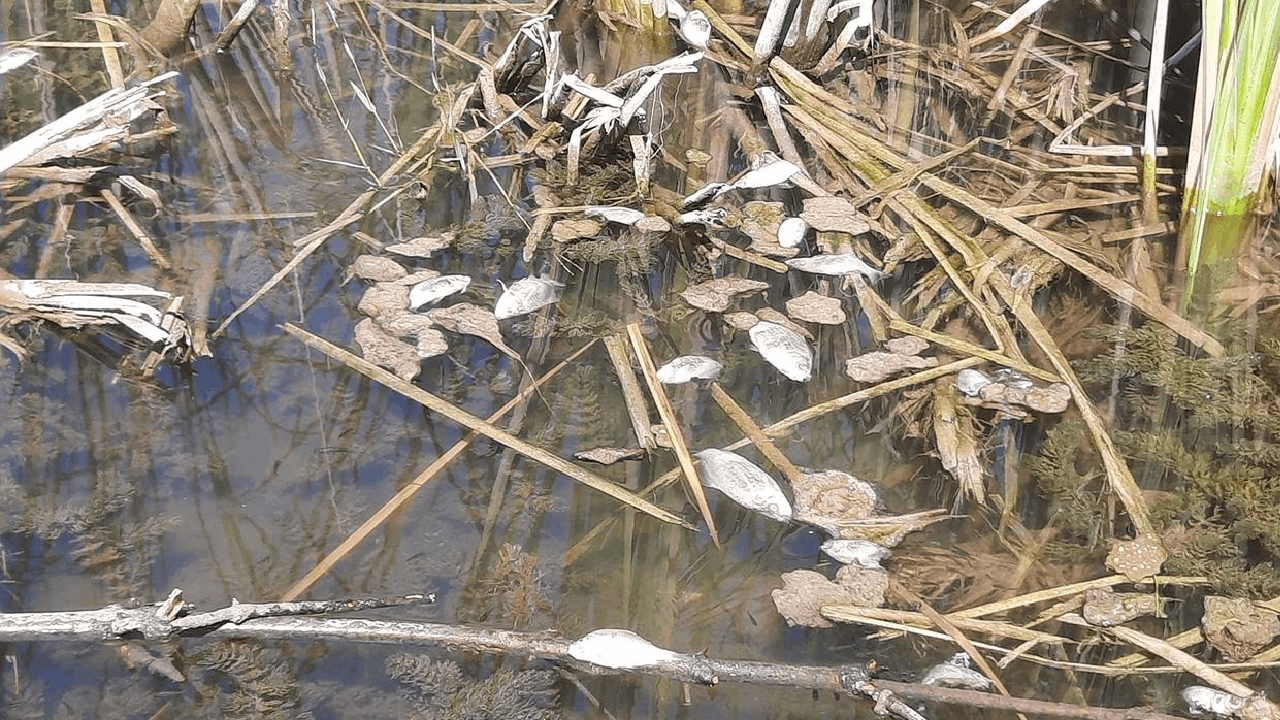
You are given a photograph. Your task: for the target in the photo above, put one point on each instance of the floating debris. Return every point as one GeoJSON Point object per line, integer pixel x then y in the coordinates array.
{"type": "Point", "coordinates": [791, 232]}
{"type": "Point", "coordinates": [816, 308]}
{"type": "Point", "coordinates": [609, 455]}
{"type": "Point", "coordinates": [744, 482]}
{"type": "Point", "coordinates": [874, 367]}
{"type": "Point", "coordinates": [783, 348]}
{"type": "Point", "coordinates": [15, 58]}
{"type": "Point", "coordinates": [429, 292]}
{"type": "Point", "coordinates": [862, 553]}
{"type": "Point", "coordinates": [381, 348]}
{"type": "Point", "coordinates": [469, 319]}
{"type": "Point", "coordinates": [574, 229]}
{"type": "Point", "coordinates": [1105, 608]}
{"type": "Point", "coordinates": [715, 295]}
{"type": "Point", "coordinates": [619, 649]}
{"type": "Point", "coordinates": [837, 264]}
{"type": "Point", "coordinates": [804, 592]}
{"type": "Point", "coordinates": [689, 367]}
{"type": "Point", "coordinates": [526, 295]}
{"type": "Point", "coordinates": [833, 214]}
{"type": "Point", "coordinates": [422, 247]}
{"type": "Point", "coordinates": [829, 499]}
{"type": "Point", "coordinates": [376, 268]}
{"type": "Point", "coordinates": [1203, 700]}
{"type": "Point", "coordinates": [956, 672]}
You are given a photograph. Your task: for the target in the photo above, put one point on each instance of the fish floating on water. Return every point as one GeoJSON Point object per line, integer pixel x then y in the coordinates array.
{"type": "Point", "coordinates": [744, 482]}
{"type": "Point", "coordinates": [783, 348]}
{"type": "Point", "coordinates": [689, 367]}
{"type": "Point", "coordinates": [436, 289]}
{"type": "Point", "coordinates": [837, 264]}
{"type": "Point", "coordinates": [526, 295]}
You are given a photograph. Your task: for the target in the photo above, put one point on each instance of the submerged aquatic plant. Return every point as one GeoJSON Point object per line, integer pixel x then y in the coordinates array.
{"type": "Point", "coordinates": [1206, 435]}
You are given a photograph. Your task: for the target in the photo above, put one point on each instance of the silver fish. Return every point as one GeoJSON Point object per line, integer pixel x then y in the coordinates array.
{"type": "Point", "coordinates": [783, 348]}
{"type": "Point", "coordinates": [619, 649]}
{"type": "Point", "coordinates": [615, 214]}
{"type": "Point", "coordinates": [862, 553]}
{"type": "Point", "coordinates": [526, 295]}
{"type": "Point", "coordinates": [836, 264]}
{"type": "Point", "coordinates": [689, 367]}
{"type": "Point", "coordinates": [971, 381]}
{"type": "Point", "coordinates": [436, 289]}
{"type": "Point", "coordinates": [744, 482]}
{"type": "Point", "coordinates": [956, 672]}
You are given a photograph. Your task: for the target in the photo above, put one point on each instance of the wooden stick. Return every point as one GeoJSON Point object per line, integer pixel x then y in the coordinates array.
{"type": "Point", "coordinates": [668, 415]}
{"type": "Point", "coordinates": [631, 393]}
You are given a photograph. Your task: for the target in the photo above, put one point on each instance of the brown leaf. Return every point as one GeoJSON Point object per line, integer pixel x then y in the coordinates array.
{"type": "Point", "coordinates": [574, 229]}
{"type": "Point", "coordinates": [816, 308]}
{"type": "Point", "coordinates": [833, 214]}
{"type": "Point", "coordinates": [874, 367]}
{"type": "Point", "coordinates": [376, 267]}
{"type": "Point", "coordinates": [384, 299]}
{"type": "Point", "coordinates": [380, 348]}
{"type": "Point", "coordinates": [804, 592]}
{"type": "Point", "coordinates": [422, 247]}
{"type": "Point", "coordinates": [468, 319]}
{"type": "Point", "coordinates": [715, 295]}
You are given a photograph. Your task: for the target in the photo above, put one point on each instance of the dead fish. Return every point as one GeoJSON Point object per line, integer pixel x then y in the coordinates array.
{"type": "Point", "coordinates": [703, 195]}
{"type": "Point", "coordinates": [614, 214]}
{"type": "Point", "coordinates": [1203, 700]}
{"type": "Point", "coordinates": [783, 348]}
{"type": "Point", "coordinates": [744, 482]}
{"type": "Point", "coordinates": [862, 553]}
{"type": "Point", "coordinates": [772, 172]}
{"type": "Point", "coordinates": [971, 381]}
{"type": "Point", "coordinates": [689, 367]}
{"type": "Point", "coordinates": [791, 232]}
{"type": "Point", "coordinates": [429, 292]}
{"type": "Point", "coordinates": [695, 28]}
{"type": "Point", "coordinates": [526, 295]}
{"type": "Point", "coordinates": [956, 672]}
{"type": "Point", "coordinates": [619, 649]}
{"type": "Point", "coordinates": [837, 264]}
{"type": "Point", "coordinates": [710, 218]}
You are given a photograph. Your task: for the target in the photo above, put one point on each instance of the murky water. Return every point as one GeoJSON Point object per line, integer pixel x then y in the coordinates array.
{"type": "Point", "coordinates": [233, 479]}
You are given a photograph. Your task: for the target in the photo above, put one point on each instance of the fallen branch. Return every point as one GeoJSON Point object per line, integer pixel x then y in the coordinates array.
{"type": "Point", "coordinates": [262, 622]}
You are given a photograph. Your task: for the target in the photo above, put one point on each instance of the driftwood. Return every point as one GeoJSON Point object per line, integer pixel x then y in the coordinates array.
{"type": "Point", "coordinates": [277, 621]}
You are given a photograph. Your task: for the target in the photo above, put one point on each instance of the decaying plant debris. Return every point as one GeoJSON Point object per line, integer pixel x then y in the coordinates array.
{"type": "Point", "coordinates": [833, 232]}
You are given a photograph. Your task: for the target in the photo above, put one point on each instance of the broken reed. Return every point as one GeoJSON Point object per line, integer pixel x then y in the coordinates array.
{"type": "Point", "coordinates": [1234, 135]}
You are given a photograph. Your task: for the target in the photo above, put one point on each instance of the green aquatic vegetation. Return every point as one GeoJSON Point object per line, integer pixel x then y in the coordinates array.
{"type": "Point", "coordinates": [440, 689]}
{"type": "Point", "coordinates": [1204, 435]}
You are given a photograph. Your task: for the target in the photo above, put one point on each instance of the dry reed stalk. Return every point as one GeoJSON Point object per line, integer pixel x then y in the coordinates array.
{"type": "Point", "coordinates": [407, 492]}
{"type": "Point", "coordinates": [632, 396]}
{"type": "Point", "coordinates": [497, 434]}
{"type": "Point", "coordinates": [756, 435]}
{"type": "Point", "coordinates": [669, 420]}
